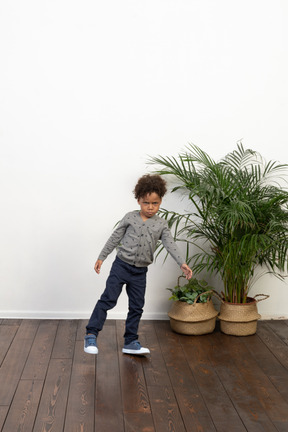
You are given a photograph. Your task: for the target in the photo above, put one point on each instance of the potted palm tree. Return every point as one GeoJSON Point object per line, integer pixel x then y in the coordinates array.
{"type": "Point", "coordinates": [238, 221]}
{"type": "Point", "coordinates": [192, 311]}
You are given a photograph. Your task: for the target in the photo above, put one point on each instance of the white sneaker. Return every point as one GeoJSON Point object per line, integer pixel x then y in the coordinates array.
{"type": "Point", "coordinates": [135, 348]}
{"type": "Point", "coordinates": [90, 344]}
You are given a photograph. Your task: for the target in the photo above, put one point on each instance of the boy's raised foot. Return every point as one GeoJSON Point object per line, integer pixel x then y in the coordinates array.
{"type": "Point", "coordinates": [135, 348]}
{"type": "Point", "coordinates": [90, 344]}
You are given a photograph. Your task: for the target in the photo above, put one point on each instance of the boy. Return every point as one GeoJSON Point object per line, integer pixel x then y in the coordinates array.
{"type": "Point", "coordinates": [135, 238]}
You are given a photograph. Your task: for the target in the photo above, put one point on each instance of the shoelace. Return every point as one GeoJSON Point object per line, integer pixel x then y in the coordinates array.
{"type": "Point", "coordinates": [91, 341]}
{"type": "Point", "coordinates": [137, 344]}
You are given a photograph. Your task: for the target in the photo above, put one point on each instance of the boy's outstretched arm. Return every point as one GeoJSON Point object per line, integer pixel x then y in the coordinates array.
{"type": "Point", "coordinates": [97, 266]}
{"type": "Point", "coordinates": [187, 271]}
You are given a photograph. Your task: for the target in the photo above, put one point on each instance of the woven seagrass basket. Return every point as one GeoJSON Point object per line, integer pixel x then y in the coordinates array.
{"type": "Point", "coordinates": [193, 319]}
{"type": "Point", "coordinates": [240, 319]}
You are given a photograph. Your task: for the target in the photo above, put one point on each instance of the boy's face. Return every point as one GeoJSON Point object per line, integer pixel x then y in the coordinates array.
{"type": "Point", "coordinates": [149, 205]}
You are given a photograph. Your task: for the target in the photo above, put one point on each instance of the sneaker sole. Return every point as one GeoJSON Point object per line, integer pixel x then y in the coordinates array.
{"type": "Point", "coordinates": [141, 351]}
{"type": "Point", "coordinates": [91, 350]}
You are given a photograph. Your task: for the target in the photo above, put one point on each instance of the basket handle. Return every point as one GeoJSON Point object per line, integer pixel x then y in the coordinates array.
{"type": "Point", "coordinates": [264, 295]}
{"type": "Point", "coordinates": [218, 296]}
{"type": "Point", "coordinates": [199, 295]}
{"type": "Point", "coordinates": [178, 280]}
{"type": "Point", "coordinates": [257, 295]}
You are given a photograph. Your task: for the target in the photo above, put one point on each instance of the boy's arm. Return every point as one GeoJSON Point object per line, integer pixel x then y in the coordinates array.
{"type": "Point", "coordinates": [111, 243]}
{"type": "Point", "coordinates": [173, 250]}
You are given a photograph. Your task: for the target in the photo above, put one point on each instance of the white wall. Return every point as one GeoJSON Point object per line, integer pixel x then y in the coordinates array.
{"type": "Point", "coordinates": [88, 90]}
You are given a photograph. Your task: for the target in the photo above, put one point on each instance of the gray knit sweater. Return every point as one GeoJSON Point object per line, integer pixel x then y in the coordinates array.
{"type": "Point", "coordinates": [136, 240]}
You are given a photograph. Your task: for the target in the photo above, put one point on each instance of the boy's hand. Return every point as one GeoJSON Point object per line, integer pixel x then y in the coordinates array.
{"type": "Point", "coordinates": [187, 271]}
{"type": "Point", "coordinates": [97, 266]}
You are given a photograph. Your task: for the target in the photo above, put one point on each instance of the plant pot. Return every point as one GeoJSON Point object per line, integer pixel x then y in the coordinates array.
{"type": "Point", "coordinates": [240, 319]}
{"type": "Point", "coordinates": [192, 319]}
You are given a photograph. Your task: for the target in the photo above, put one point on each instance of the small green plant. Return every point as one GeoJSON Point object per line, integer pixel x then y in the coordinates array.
{"type": "Point", "coordinates": [190, 291]}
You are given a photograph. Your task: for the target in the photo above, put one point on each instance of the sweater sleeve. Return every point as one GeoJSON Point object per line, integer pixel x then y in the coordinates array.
{"type": "Point", "coordinates": [113, 240]}
{"type": "Point", "coordinates": [171, 247]}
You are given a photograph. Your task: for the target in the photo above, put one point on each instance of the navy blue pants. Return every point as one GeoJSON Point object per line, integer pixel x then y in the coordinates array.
{"type": "Point", "coordinates": [135, 280]}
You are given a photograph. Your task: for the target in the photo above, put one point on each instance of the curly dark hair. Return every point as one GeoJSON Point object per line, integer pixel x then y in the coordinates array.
{"type": "Point", "coordinates": [148, 184]}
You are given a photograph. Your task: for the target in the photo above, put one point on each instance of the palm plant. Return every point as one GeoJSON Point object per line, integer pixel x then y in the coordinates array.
{"type": "Point", "coordinates": [239, 216]}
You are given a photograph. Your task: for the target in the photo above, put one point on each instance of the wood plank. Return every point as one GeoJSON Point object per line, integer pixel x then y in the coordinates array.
{"type": "Point", "coordinates": [13, 364]}
{"type": "Point", "coordinates": [65, 339]}
{"type": "Point", "coordinates": [7, 334]}
{"type": "Point", "coordinates": [7, 321]}
{"type": "Point", "coordinates": [3, 413]}
{"type": "Point", "coordinates": [273, 342]}
{"type": "Point", "coordinates": [260, 387]}
{"type": "Point", "coordinates": [222, 411]}
{"type": "Point", "coordinates": [134, 391]}
{"type": "Point", "coordinates": [108, 406]}
{"type": "Point", "coordinates": [194, 413]}
{"type": "Point", "coordinates": [178, 368]}
{"type": "Point", "coordinates": [280, 328]}
{"type": "Point", "coordinates": [52, 407]}
{"type": "Point", "coordinates": [165, 410]}
{"type": "Point", "coordinates": [23, 410]}
{"type": "Point", "coordinates": [39, 356]}
{"type": "Point", "coordinates": [193, 409]}
{"type": "Point", "coordinates": [81, 398]}
{"type": "Point", "coordinates": [81, 329]}
{"type": "Point", "coordinates": [140, 422]}
{"type": "Point", "coordinates": [238, 373]}
{"type": "Point", "coordinates": [268, 363]}
{"type": "Point", "coordinates": [155, 370]}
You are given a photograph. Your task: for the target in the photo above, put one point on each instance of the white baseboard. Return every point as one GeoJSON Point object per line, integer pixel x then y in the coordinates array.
{"type": "Point", "coordinates": [43, 315]}
{"type": "Point", "coordinates": [73, 315]}
{"type": "Point", "coordinates": [111, 315]}
{"type": "Point", "coordinates": [273, 317]}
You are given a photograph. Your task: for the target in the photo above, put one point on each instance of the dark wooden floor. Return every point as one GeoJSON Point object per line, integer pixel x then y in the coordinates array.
{"type": "Point", "coordinates": [205, 383]}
